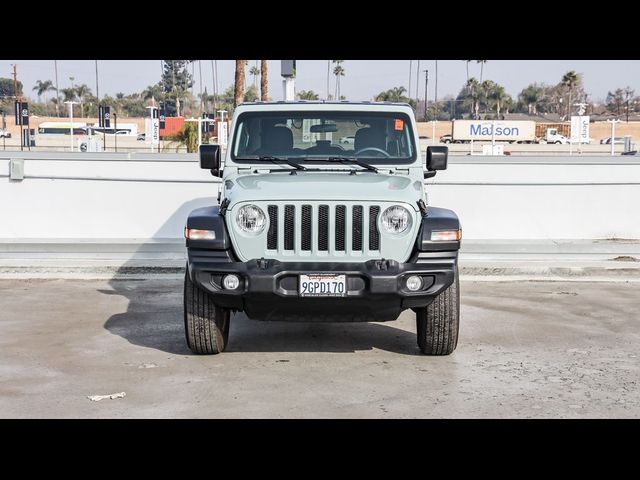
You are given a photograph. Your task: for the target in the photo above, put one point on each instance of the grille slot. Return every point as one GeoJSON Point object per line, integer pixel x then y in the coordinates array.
{"type": "Point", "coordinates": [374, 234]}
{"type": "Point", "coordinates": [356, 228]}
{"type": "Point", "coordinates": [323, 228]}
{"type": "Point", "coordinates": [289, 227]}
{"type": "Point", "coordinates": [341, 219]}
{"type": "Point", "coordinates": [272, 233]}
{"type": "Point", "coordinates": [305, 235]}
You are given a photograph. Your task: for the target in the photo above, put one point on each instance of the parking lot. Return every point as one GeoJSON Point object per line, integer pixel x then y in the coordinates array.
{"type": "Point", "coordinates": [527, 349]}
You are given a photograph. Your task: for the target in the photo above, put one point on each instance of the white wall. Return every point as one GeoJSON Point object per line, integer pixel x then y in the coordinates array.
{"type": "Point", "coordinates": [136, 196]}
{"type": "Point", "coordinates": [562, 198]}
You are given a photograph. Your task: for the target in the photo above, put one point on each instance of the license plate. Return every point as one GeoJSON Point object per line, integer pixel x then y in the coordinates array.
{"type": "Point", "coordinates": [322, 285]}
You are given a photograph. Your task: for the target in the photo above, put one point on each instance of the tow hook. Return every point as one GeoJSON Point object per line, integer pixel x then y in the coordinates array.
{"type": "Point", "coordinates": [382, 264]}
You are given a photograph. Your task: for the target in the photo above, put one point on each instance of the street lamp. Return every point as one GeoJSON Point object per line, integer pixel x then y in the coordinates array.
{"type": "Point", "coordinates": [71, 104]}
{"type": "Point", "coordinates": [426, 84]}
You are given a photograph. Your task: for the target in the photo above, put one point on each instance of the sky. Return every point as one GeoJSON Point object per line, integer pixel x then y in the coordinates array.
{"type": "Point", "coordinates": [362, 80]}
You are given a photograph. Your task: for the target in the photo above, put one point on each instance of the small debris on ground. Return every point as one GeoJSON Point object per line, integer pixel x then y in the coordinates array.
{"type": "Point", "coordinates": [282, 361]}
{"type": "Point", "coordinates": [147, 365]}
{"type": "Point", "coordinates": [97, 398]}
{"type": "Point", "coordinates": [625, 258]}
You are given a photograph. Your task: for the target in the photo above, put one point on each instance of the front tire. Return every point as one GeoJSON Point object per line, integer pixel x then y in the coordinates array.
{"type": "Point", "coordinates": [438, 323]}
{"type": "Point", "coordinates": [206, 325]}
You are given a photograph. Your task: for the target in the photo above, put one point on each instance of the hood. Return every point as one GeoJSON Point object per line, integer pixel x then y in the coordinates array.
{"type": "Point", "coordinates": [323, 186]}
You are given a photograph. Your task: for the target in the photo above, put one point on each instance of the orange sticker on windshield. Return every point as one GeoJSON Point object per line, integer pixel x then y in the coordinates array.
{"type": "Point", "coordinates": [399, 124]}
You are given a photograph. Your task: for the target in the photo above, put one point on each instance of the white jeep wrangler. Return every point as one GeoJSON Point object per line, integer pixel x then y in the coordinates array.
{"type": "Point", "coordinates": [310, 228]}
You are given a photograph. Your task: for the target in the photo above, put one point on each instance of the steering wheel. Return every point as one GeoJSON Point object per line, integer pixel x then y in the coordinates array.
{"type": "Point", "coordinates": [375, 149]}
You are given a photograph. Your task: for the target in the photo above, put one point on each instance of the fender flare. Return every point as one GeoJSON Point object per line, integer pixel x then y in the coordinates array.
{"type": "Point", "coordinates": [209, 218]}
{"type": "Point", "coordinates": [435, 218]}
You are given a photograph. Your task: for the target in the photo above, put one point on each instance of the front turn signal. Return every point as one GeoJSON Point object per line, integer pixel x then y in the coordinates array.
{"type": "Point", "coordinates": [446, 235]}
{"type": "Point", "coordinates": [195, 234]}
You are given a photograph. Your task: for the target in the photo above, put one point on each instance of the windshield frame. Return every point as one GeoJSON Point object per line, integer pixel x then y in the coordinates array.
{"type": "Point", "coordinates": [335, 113]}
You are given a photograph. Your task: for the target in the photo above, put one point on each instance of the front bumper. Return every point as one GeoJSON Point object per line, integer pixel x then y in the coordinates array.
{"type": "Point", "coordinates": [375, 289]}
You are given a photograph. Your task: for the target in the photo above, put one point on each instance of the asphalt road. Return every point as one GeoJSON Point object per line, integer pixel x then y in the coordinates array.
{"type": "Point", "coordinates": [527, 349]}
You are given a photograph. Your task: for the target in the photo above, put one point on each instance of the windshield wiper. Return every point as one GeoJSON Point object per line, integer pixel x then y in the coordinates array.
{"type": "Point", "coordinates": [355, 161]}
{"type": "Point", "coordinates": [276, 160]}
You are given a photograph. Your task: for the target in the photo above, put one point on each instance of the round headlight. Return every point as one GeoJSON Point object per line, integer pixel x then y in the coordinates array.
{"type": "Point", "coordinates": [251, 219]}
{"type": "Point", "coordinates": [396, 219]}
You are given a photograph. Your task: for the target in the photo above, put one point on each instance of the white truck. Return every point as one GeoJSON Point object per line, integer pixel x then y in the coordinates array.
{"type": "Point", "coordinates": [552, 136]}
{"type": "Point", "coordinates": [512, 131]}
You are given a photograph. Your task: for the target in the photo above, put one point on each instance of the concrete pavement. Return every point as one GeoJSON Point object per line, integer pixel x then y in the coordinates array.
{"type": "Point", "coordinates": [527, 349]}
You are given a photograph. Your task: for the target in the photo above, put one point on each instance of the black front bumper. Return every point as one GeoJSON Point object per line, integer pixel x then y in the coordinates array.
{"type": "Point", "coordinates": [375, 289]}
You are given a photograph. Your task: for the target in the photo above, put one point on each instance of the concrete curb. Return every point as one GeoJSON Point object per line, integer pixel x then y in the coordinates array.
{"type": "Point", "coordinates": [598, 271]}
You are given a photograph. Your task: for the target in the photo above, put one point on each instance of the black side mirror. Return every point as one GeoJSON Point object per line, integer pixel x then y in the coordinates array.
{"type": "Point", "coordinates": [210, 158]}
{"type": "Point", "coordinates": [436, 160]}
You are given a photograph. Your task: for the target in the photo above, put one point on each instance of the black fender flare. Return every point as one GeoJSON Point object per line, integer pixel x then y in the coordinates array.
{"type": "Point", "coordinates": [435, 218]}
{"type": "Point", "coordinates": [209, 218]}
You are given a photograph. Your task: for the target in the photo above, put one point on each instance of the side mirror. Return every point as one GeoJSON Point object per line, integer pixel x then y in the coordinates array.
{"type": "Point", "coordinates": [436, 160]}
{"type": "Point", "coordinates": [210, 158]}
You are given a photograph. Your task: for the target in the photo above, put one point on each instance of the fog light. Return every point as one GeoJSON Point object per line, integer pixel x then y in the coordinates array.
{"type": "Point", "coordinates": [413, 283]}
{"type": "Point", "coordinates": [231, 282]}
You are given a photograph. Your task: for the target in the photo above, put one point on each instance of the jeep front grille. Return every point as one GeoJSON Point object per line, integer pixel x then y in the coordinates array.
{"type": "Point", "coordinates": [308, 228]}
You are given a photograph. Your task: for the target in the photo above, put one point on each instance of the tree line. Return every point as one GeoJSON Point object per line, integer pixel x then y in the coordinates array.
{"type": "Point", "coordinates": [477, 98]}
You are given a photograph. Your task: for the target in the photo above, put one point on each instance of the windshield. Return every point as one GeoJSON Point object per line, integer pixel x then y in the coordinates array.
{"type": "Point", "coordinates": [385, 137]}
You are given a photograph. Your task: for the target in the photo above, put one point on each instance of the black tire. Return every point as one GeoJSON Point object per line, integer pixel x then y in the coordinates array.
{"type": "Point", "coordinates": [206, 325]}
{"type": "Point", "coordinates": [438, 323]}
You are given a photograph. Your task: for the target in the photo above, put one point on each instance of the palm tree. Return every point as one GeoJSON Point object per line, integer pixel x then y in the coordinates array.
{"type": "Point", "coordinates": [467, 65]}
{"type": "Point", "coordinates": [83, 91]}
{"type": "Point", "coordinates": [238, 91]}
{"type": "Point", "coordinates": [69, 94]}
{"type": "Point", "coordinates": [570, 80]}
{"type": "Point", "coordinates": [338, 71]}
{"type": "Point", "coordinates": [499, 96]}
{"type": "Point", "coordinates": [308, 95]}
{"type": "Point", "coordinates": [43, 88]}
{"type": "Point", "coordinates": [395, 94]}
{"type": "Point", "coordinates": [481, 62]}
{"type": "Point", "coordinates": [153, 92]}
{"type": "Point", "coordinates": [531, 96]}
{"type": "Point", "coordinates": [263, 81]}
{"type": "Point", "coordinates": [254, 72]}
{"type": "Point", "coordinates": [485, 90]}
{"type": "Point", "coordinates": [473, 89]}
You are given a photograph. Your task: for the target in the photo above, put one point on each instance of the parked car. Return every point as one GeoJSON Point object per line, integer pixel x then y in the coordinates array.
{"type": "Point", "coordinates": [4, 134]}
{"type": "Point", "coordinates": [446, 138]}
{"type": "Point", "coordinates": [342, 237]}
{"type": "Point", "coordinates": [141, 137]}
{"type": "Point", "coordinates": [349, 139]}
{"type": "Point", "coordinates": [616, 141]}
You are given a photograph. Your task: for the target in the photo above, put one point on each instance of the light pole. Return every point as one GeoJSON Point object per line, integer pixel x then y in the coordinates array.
{"type": "Point", "coordinates": [71, 103]}
{"type": "Point", "coordinates": [328, 77]}
{"type": "Point", "coordinates": [55, 66]}
{"type": "Point", "coordinates": [426, 84]}
{"type": "Point", "coordinates": [410, 75]}
{"type": "Point", "coordinates": [97, 89]}
{"type": "Point", "coordinates": [435, 96]}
